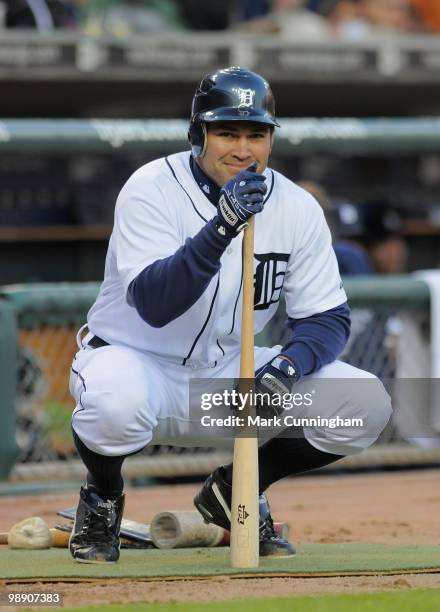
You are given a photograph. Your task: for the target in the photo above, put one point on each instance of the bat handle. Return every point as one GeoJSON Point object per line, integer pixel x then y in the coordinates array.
{"type": "Point", "coordinates": [247, 369]}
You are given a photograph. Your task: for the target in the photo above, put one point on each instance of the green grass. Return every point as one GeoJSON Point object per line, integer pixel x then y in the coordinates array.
{"type": "Point", "coordinates": [336, 559]}
{"type": "Point", "coordinates": [407, 601]}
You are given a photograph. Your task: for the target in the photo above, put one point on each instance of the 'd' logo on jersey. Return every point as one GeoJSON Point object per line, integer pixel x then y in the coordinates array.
{"type": "Point", "coordinates": [269, 278]}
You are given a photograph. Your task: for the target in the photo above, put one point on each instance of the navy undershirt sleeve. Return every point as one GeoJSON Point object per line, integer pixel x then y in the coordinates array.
{"type": "Point", "coordinates": [317, 340]}
{"type": "Point", "coordinates": [168, 287]}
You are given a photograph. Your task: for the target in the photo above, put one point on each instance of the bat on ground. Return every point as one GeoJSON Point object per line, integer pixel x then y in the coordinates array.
{"type": "Point", "coordinates": [170, 530]}
{"type": "Point", "coordinates": [173, 523]}
{"type": "Point", "coordinates": [59, 539]}
{"type": "Point", "coordinates": [130, 530]}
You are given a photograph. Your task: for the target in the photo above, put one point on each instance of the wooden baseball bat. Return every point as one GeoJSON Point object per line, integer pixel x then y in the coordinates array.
{"type": "Point", "coordinates": [244, 509]}
{"type": "Point", "coordinates": [60, 539]}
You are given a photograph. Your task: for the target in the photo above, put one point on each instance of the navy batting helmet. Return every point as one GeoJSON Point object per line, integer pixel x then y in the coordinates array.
{"type": "Point", "coordinates": [229, 94]}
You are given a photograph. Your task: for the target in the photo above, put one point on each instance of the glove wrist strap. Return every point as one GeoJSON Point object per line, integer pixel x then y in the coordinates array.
{"type": "Point", "coordinates": [286, 366]}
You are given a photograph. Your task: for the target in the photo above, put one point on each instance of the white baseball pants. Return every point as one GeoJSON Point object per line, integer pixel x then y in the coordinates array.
{"type": "Point", "coordinates": [126, 399]}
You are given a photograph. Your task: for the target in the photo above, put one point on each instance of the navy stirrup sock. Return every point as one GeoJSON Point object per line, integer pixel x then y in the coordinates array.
{"type": "Point", "coordinates": [281, 457]}
{"type": "Point", "coordinates": [104, 473]}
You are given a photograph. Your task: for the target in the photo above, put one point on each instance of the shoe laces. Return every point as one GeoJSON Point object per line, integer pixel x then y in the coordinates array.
{"type": "Point", "coordinates": [267, 527]}
{"type": "Point", "coordinates": [98, 525]}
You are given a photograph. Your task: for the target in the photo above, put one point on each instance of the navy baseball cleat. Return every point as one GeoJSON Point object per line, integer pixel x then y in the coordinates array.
{"type": "Point", "coordinates": [213, 501]}
{"type": "Point", "coordinates": [95, 534]}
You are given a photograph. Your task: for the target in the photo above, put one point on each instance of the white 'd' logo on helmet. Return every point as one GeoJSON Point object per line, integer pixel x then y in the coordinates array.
{"type": "Point", "coordinates": [246, 97]}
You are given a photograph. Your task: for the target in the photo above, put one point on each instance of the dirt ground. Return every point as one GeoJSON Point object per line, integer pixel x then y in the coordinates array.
{"type": "Point", "coordinates": [395, 508]}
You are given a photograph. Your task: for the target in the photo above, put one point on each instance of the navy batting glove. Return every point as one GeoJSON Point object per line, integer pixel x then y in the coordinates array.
{"type": "Point", "coordinates": [274, 379]}
{"type": "Point", "coordinates": [240, 199]}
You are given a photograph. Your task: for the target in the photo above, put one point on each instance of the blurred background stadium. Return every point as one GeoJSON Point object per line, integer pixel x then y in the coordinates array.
{"type": "Point", "coordinates": [90, 90]}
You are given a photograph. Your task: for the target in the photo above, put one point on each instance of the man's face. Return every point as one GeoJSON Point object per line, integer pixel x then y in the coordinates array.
{"type": "Point", "coordinates": [232, 146]}
{"type": "Point", "coordinates": [389, 256]}
{"type": "Point", "coordinates": [393, 14]}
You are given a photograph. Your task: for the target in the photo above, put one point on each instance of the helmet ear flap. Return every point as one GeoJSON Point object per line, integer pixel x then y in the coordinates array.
{"type": "Point", "coordinates": [197, 136]}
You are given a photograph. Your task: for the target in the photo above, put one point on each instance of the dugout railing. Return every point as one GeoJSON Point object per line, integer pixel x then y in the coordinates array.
{"type": "Point", "coordinates": [337, 136]}
{"type": "Point", "coordinates": [61, 179]}
{"type": "Point", "coordinates": [38, 325]}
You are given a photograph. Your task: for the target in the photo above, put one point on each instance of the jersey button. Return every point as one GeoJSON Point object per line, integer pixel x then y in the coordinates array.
{"type": "Point", "coordinates": [229, 250]}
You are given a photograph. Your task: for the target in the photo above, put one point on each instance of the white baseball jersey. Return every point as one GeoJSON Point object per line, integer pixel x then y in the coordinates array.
{"type": "Point", "coordinates": [158, 208]}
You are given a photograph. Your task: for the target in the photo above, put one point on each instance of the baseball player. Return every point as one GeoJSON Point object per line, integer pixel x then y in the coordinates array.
{"type": "Point", "coordinates": [169, 313]}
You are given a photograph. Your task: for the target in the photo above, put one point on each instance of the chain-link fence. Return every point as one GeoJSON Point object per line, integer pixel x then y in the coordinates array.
{"type": "Point", "coordinates": [390, 318]}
